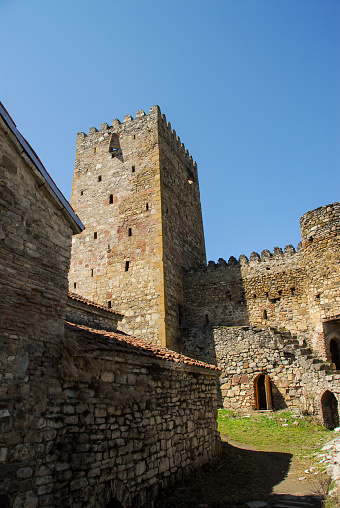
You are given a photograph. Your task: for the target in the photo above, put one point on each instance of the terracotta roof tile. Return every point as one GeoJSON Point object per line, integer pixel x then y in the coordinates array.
{"type": "Point", "coordinates": [82, 299]}
{"type": "Point", "coordinates": [93, 339]}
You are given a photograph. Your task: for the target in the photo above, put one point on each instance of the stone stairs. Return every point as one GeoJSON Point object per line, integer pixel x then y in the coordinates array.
{"type": "Point", "coordinates": [306, 353]}
{"type": "Point", "coordinates": [288, 501]}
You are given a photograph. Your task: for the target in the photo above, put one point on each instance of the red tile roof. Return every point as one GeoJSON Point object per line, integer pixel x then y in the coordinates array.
{"type": "Point", "coordinates": [94, 340]}
{"type": "Point", "coordinates": [79, 298]}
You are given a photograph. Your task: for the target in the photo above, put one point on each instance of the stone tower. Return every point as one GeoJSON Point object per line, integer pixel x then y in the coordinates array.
{"type": "Point", "coordinates": [135, 188]}
{"type": "Point", "coordinates": [320, 231]}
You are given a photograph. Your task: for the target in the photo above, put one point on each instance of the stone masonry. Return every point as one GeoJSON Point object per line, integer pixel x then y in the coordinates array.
{"type": "Point", "coordinates": [136, 190]}
{"type": "Point", "coordinates": [94, 416]}
{"type": "Point", "coordinates": [89, 415]}
{"type": "Point", "coordinates": [298, 380]}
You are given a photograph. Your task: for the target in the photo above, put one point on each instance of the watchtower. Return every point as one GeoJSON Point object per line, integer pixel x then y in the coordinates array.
{"type": "Point", "coordinates": [320, 231]}
{"type": "Point", "coordinates": [135, 188]}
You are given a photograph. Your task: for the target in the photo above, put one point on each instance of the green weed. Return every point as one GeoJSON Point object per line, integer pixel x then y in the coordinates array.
{"type": "Point", "coordinates": [281, 431]}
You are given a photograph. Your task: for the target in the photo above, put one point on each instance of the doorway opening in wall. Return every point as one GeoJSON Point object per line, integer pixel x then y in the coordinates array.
{"type": "Point", "coordinates": [263, 392]}
{"type": "Point", "coordinates": [114, 503]}
{"type": "Point", "coordinates": [330, 413]}
{"type": "Point", "coordinates": [335, 355]}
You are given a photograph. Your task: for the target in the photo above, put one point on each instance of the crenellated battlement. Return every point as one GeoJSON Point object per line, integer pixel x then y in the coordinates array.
{"type": "Point", "coordinates": [116, 125]}
{"type": "Point", "coordinates": [254, 260]}
{"type": "Point", "coordinates": [177, 141]}
{"type": "Point", "coordinates": [129, 123]}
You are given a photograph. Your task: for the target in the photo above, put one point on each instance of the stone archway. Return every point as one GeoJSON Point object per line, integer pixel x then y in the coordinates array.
{"type": "Point", "coordinates": [263, 392]}
{"type": "Point", "coordinates": [114, 495]}
{"type": "Point", "coordinates": [331, 331]}
{"type": "Point", "coordinates": [335, 352]}
{"type": "Point", "coordinates": [330, 413]}
{"type": "Point", "coordinates": [114, 503]}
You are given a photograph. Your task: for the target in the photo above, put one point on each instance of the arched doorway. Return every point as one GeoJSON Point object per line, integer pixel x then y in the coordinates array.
{"type": "Point", "coordinates": [330, 413]}
{"type": "Point", "coordinates": [263, 392]}
{"type": "Point", "coordinates": [334, 350]}
{"type": "Point", "coordinates": [114, 503]}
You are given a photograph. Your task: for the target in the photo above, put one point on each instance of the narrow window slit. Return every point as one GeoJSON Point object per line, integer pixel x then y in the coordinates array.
{"type": "Point", "coordinates": [130, 232]}
{"type": "Point", "coordinates": [147, 206]}
{"type": "Point", "coordinates": [99, 178]}
{"type": "Point", "coordinates": [95, 236]}
{"type": "Point", "coordinates": [91, 272]}
{"type": "Point", "coordinates": [109, 305]}
{"type": "Point", "coordinates": [74, 285]}
{"type": "Point", "coordinates": [111, 199]}
{"type": "Point", "coordinates": [133, 169]}
{"type": "Point", "coordinates": [127, 266]}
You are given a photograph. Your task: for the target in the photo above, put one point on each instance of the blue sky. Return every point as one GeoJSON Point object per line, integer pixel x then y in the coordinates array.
{"type": "Point", "coordinates": [250, 86]}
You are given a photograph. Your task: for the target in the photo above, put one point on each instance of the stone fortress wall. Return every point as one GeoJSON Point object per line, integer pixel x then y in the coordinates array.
{"type": "Point", "coordinates": [291, 291]}
{"type": "Point", "coordinates": [320, 231]}
{"type": "Point", "coordinates": [89, 416]}
{"type": "Point", "coordinates": [92, 416]}
{"type": "Point", "coordinates": [295, 294]}
{"type": "Point", "coordinates": [169, 292]}
{"type": "Point", "coordinates": [263, 291]}
{"type": "Point", "coordinates": [116, 192]}
{"type": "Point", "coordinates": [136, 189]}
{"type": "Point", "coordinates": [296, 378]}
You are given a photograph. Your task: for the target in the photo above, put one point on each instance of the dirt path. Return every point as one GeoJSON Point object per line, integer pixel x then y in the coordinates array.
{"type": "Point", "coordinates": [295, 482]}
{"type": "Point", "coordinates": [243, 474]}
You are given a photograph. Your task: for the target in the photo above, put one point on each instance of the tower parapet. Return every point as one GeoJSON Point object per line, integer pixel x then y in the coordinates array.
{"type": "Point", "coordinates": [136, 189]}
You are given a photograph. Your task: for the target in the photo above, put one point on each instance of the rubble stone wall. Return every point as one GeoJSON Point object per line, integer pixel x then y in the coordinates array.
{"type": "Point", "coordinates": [298, 380]}
{"type": "Point", "coordinates": [320, 230]}
{"type": "Point", "coordinates": [90, 315]}
{"type": "Point", "coordinates": [35, 242]}
{"type": "Point", "coordinates": [266, 291]}
{"type": "Point", "coordinates": [183, 237]}
{"type": "Point", "coordinates": [116, 193]}
{"type": "Point", "coordinates": [117, 427]}
{"type": "Point", "coordinates": [135, 187]}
